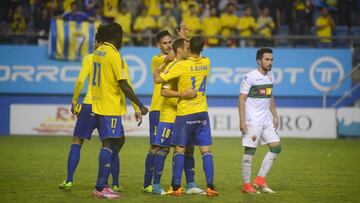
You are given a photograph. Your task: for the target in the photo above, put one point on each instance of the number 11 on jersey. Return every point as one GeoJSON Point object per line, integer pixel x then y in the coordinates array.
{"type": "Point", "coordinates": [96, 79]}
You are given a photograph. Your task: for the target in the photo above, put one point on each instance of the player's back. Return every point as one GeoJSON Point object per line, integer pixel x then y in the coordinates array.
{"type": "Point", "coordinates": [107, 71]}
{"type": "Point", "coordinates": [156, 99]}
{"type": "Point", "coordinates": [195, 77]}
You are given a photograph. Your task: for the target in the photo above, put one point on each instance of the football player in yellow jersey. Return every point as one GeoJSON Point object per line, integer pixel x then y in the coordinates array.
{"type": "Point", "coordinates": [192, 124]}
{"type": "Point", "coordinates": [166, 122]}
{"type": "Point", "coordinates": [163, 42]}
{"type": "Point", "coordinates": [109, 88]}
{"type": "Point", "coordinates": [86, 123]}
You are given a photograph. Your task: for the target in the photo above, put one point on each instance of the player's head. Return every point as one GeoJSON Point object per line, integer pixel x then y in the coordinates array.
{"type": "Point", "coordinates": [181, 48]}
{"type": "Point", "coordinates": [113, 34]}
{"type": "Point", "coordinates": [99, 36]}
{"type": "Point", "coordinates": [163, 41]}
{"type": "Point", "coordinates": [264, 58]}
{"type": "Point", "coordinates": [196, 44]}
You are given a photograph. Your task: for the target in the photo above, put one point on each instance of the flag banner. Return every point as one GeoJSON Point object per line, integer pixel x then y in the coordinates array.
{"type": "Point", "coordinates": [71, 40]}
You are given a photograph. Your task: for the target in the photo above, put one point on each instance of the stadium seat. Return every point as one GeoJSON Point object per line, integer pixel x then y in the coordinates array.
{"type": "Point", "coordinates": [283, 31]}
{"type": "Point", "coordinates": [355, 31]}
{"type": "Point", "coordinates": [342, 31]}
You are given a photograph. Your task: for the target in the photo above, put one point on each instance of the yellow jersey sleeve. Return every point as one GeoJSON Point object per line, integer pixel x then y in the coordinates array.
{"type": "Point", "coordinates": [80, 81]}
{"type": "Point", "coordinates": [156, 99]}
{"type": "Point", "coordinates": [175, 70]}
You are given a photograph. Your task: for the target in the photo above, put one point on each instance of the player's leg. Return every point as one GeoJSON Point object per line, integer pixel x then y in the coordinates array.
{"type": "Point", "coordinates": [84, 127]}
{"type": "Point", "coordinates": [162, 140]}
{"type": "Point", "coordinates": [249, 141]}
{"type": "Point", "coordinates": [179, 139]}
{"type": "Point", "coordinates": [202, 137]}
{"type": "Point", "coordinates": [110, 130]}
{"type": "Point", "coordinates": [150, 157]}
{"type": "Point", "coordinates": [189, 169]}
{"type": "Point", "coordinates": [269, 137]}
{"type": "Point", "coordinates": [115, 164]}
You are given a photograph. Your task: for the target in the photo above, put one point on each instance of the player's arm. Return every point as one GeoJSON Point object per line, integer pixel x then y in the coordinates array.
{"type": "Point", "coordinates": [166, 91]}
{"type": "Point", "coordinates": [79, 83]}
{"type": "Point", "coordinates": [274, 112]}
{"type": "Point", "coordinates": [173, 71]}
{"type": "Point", "coordinates": [241, 109]}
{"type": "Point", "coordinates": [125, 87]}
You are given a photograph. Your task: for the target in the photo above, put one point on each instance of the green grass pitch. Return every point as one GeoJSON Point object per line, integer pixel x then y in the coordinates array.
{"type": "Point", "coordinates": [306, 171]}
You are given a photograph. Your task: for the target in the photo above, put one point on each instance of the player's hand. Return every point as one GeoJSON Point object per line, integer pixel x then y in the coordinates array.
{"type": "Point", "coordinates": [75, 108]}
{"type": "Point", "coordinates": [138, 118]}
{"type": "Point", "coordinates": [144, 110]}
{"type": "Point", "coordinates": [188, 94]}
{"type": "Point", "coordinates": [243, 127]}
{"type": "Point", "coordinates": [170, 57]}
{"type": "Point", "coordinates": [183, 31]}
{"type": "Point", "coordinates": [276, 122]}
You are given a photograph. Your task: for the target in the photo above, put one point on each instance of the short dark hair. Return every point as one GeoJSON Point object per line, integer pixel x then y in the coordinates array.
{"type": "Point", "coordinates": [113, 33]}
{"type": "Point", "coordinates": [100, 36]}
{"type": "Point", "coordinates": [196, 44]}
{"type": "Point", "coordinates": [260, 52]}
{"type": "Point", "coordinates": [178, 43]}
{"type": "Point", "coordinates": [161, 34]}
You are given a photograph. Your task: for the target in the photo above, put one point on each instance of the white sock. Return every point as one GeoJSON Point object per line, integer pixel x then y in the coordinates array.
{"type": "Point", "coordinates": [246, 167]}
{"type": "Point", "coordinates": [267, 163]}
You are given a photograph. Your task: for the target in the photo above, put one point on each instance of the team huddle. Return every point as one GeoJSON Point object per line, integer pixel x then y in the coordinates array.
{"type": "Point", "coordinates": [178, 114]}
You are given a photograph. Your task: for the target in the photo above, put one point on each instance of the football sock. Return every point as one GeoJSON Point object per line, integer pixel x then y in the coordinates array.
{"type": "Point", "coordinates": [149, 169]}
{"type": "Point", "coordinates": [246, 167]}
{"type": "Point", "coordinates": [267, 163]}
{"type": "Point", "coordinates": [178, 167]}
{"type": "Point", "coordinates": [189, 168]}
{"type": "Point", "coordinates": [159, 162]}
{"type": "Point", "coordinates": [208, 165]}
{"type": "Point", "coordinates": [73, 161]}
{"type": "Point", "coordinates": [115, 168]}
{"type": "Point", "coordinates": [104, 168]}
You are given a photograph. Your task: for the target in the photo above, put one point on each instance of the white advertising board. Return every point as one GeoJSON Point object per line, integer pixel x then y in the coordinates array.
{"type": "Point", "coordinates": [58, 120]}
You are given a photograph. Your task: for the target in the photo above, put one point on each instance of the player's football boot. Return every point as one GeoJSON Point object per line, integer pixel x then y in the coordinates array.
{"type": "Point", "coordinates": [65, 186]}
{"type": "Point", "coordinates": [157, 189]}
{"type": "Point", "coordinates": [147, 189]}
{"type": "Point", "coordinates": [210, 192]}
{"type": "Point", "coordinates": [104, 194]}
{"type": "Point", "coordinates": [110, 190]}
{"type": "Point", "coordinates": [260, 183]}
{"type": "Point", "coordinates": [248, 188]}
{"type": "Point", "coordinates": [117, 188]}
{"type": "Point", "coordinates": [192, 188]}
{"type": "Point", "coordinates": [178, 192]}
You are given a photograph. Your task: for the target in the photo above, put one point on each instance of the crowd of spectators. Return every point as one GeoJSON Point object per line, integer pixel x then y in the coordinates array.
{"type": "Point", "coordinates": [229, 23]}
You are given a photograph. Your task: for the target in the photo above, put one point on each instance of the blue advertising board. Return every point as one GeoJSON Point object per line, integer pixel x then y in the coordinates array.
{"type": "Point", "coordinates": [298, 72]}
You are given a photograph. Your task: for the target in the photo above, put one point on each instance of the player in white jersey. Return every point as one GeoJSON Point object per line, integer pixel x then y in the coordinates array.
{"type": "Point", "coordinates": [258, 120]}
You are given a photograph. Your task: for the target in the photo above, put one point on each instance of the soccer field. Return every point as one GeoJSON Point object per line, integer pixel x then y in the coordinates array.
{"type": "Point", "coordinates": [306, 171]}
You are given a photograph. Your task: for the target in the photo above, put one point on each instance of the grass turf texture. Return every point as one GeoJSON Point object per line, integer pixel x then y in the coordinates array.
{"type": "Point", "coordinates": [306, 171]}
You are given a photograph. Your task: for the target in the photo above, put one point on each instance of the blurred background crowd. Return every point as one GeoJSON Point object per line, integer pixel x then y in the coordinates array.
{"type": "Point", "coordinates": [227, 23]}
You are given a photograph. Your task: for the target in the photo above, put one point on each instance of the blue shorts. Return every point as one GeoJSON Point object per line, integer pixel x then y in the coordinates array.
{"type": "Point", "coordinates": [153, 122]}
{"type": "Point", "coordinates": [85, 123]}
{"type": "Point", "coordinates": [193, 129]}
{"type": "Point", "coordinates": [109, 126]}
{"type": "Point", "coordinates": [163, 134]}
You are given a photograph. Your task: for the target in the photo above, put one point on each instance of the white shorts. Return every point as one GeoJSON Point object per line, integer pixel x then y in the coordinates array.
{"type": "Point", "coordinates": [265, 133]}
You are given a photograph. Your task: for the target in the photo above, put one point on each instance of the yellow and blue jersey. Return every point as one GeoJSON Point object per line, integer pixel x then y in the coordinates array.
{"type": "Point", "coordinates": [108, 69]}
{"type": "Point", "coordinates": [192, 73]}
{"type": "Point", "coordinates": [156, 100]}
